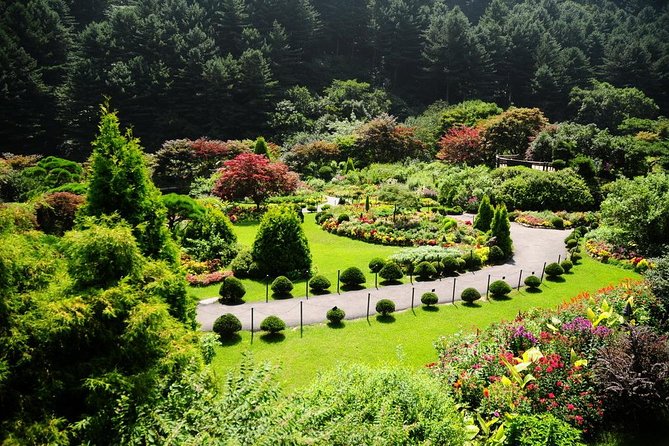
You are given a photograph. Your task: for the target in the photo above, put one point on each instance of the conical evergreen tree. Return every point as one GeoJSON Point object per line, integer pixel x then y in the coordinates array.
{"type": "Point", "coordinates": [485, 215]}
{"type": "Point", "coordinates": [120, 184]}
{"type": "Point", "coordinates": [501, 230]}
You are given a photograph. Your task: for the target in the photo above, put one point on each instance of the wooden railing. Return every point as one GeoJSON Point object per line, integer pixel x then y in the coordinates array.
{"type": "Point", "coordinates": [514, 160]}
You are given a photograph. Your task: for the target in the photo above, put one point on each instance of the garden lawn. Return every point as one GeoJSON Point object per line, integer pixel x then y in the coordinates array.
{"type": "Point", "coordinates": [409, 339]}
{"type": "Point", "coordinates": [329, 253]}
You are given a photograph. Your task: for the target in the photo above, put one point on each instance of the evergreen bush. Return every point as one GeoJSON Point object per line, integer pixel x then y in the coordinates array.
{"type": "Point", "coordinates": [391, 272]}
{"type": "Point", "coordinates": [554, 270]}
{"type": "Point", "coordinates": [376, 264]}
{"type": "Point", "coordinates": [428, 299]}
{"type": "Point", "coordinates": [499, 289]}
{"type": "Point", "coordinates": [335, 315]}
{"type": "Point", "coordinates": [231, 291]}
{"type": "Point", "coordinates": [227, 325]}
{"type": "Point", "coordinates": [385, 307]}
{"type": "Point", "coordinates": [282, 286]}
{"type": "Point", "coordinates": [425, 271]}
{"type": "Point", "coordinates": [470, 295]}
{"type": "Point", "coordinates": [352, 276]}
{"type": "Point", "coordinates": [319, 283]}
{"type": "Point", "coordinates": [272, 324]}
{"type": "Point", "coordinates": [532, 282]}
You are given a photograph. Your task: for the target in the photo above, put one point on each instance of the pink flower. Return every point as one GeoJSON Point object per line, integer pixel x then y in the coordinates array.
{"type": "Point", "coordinates": [570, 406]}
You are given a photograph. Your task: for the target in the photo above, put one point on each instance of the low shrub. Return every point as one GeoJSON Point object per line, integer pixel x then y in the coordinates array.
{"type": "Point", "coordinates": [543, 429]}
{"type": "Point", "coordinates": [227, 325]}
{"type": "Point", "coordinates": [243, 265]}
{"type": "Point", "coordinates": [472, 260]}
{"type": "Point", "coordinates": [335, 315]}
{"type": "Point", "coordinates": [567, 265]}
{"type": "Point", "coordinates": [532, 282]}
{"type": "Point", "coordinates": [554, 270]}
{"type": "Point", "coordinates": [323, 216]}
{"type": "Point", "coordinates": [376, 264]}
{"type": "Point", "coordinates": [499, 289]}
{"type": "Point", "coordinates": [575, 257]}
{"type": "Point", "coordinates": [451, 264]}
{"type": "Point", "coordinates": [391, 271]}
{"type": "Point", "coordinates": [571, 243]}
{"type": "Point", "coordinates": [385, 307]}
{"type": "Point", "coordinates": [272, 324]}
{"type": "Point", "coordinates": [470, 295]}
{"type": "Point", "coordinates": [232, 290]}
{"type": "Point", "coordinates": [428, 299]}
{"type": "Point", "coordinates": [282, 285]}
{"type": "Point", "coordinates": [352, 276]}
{"type": "Point", "coordinates": [425, 271]}
{"type": "Point", "coordinates": [56, 213]}
{"type": "Point", "coordinates": [319, 283]}
{"type": "Point", "coordinates": [342, 218]}
{"type": "Point", "coordinates": [557, 223]}
{"type": "Point", "coordinates": [496, 255]}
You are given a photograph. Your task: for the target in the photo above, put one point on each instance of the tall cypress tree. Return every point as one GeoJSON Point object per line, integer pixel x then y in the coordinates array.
{"type": "Point", "coordinates": [485, 214]}
{"type": "Point", "coordinates": [120, 184]}
{"type": "Point", "coordinates": [501, 229]}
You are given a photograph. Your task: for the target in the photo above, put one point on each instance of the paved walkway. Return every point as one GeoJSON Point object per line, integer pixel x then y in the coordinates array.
{"type": "Point", "coordinates": [532, 247]}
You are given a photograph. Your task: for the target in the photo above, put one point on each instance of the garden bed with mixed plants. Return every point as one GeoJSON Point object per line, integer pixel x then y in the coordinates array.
{"type": "Point", "coordinates": [554, 220]}
{"type": "Point", "coordinates": [596, 363]}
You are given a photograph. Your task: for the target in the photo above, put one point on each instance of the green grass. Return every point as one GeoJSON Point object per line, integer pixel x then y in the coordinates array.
{"type": "Point", "coordinates": [329, 253]}
{"type": "Point", "coordinates": [409, 339]}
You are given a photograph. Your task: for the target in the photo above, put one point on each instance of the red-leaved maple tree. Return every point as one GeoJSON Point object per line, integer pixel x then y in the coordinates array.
{"type": "Point", "coordinates": [463, 145]}
{"type": "Point", "coordinates": [254, 176]}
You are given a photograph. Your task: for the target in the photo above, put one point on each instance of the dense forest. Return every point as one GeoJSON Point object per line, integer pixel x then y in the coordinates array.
{"type": "Point", "coordinates": [240, 68]}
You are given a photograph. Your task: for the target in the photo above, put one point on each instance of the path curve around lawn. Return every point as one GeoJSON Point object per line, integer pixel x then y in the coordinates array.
{"type": "Point", "coordinates": [532, 247]}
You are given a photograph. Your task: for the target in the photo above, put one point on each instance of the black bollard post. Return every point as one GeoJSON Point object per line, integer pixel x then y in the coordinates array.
{"type": "Point", "coordinates": [520, 276]}
{"type": "Point", "coordinates": [487, 288]}
{"type": "Point", "coordinates": [413, 293]}
{"type": "Point", "coordinates": [301, 319]}
{"type": "Point", "coordinates": [251, 325]}
{"type": "Point", "coordinates": [453, 299]}
{"type": "Point", "coordinates": [338, 274]}
{"type": "Point", "coordinates": [542, 272]}
{"type": "Point", "coordinates": [267, 288]}
{"type": "Point", "coordinates": [369, 297]}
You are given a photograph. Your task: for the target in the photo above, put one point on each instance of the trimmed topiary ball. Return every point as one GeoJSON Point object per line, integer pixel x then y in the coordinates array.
{"type": "Point", "coordinates": [575, 257]}
{"type": "Point", "coordinates": [499, 289]}
{"type": "Point", "coordinates": [232, 290]}
{"type": "Point", "coordinates": [428, 299]}
{"type": "Point", "coordinates": [567, 265]}
{"type": "Point", "coordinates": [557, 223]}
{"type": "Point", "coordinates": [496, 254]}
{"type": "Point", "coordinates": [227, 325]}
{"type": "Point", "coordinates": [470, 295]}
{"type": "Point", "coordinates": [342, 218]}
{"type": "Point", "coordinates": [352, 276]}
{"type": "Point", "coordinates": [391, 271]}
{"type": "Point", "coordinates": [554, 270]}
{"type": "Point", "coordinates": [385, 307]}
{"type": "Point", "coordinates": [335, 315]}
{"type": "Point", "coordinates": [376, 264]}
{"type": "Point", "coordinates": [532, 282]}
{"type": "Point", "coordinates": [319, 283]}
{"type": "Point", "coordinates": [272, 324]}
{"type": "Point", "coordinates": [472, 260]}
{"type": "Point", "coordinates": [282, 285]}
{"type": "Point", "coordinates": [425, 271]}
{"type": "Point", "coordinates": [572, 243]}
{"type": "Point", "coordinates": [450, 265]}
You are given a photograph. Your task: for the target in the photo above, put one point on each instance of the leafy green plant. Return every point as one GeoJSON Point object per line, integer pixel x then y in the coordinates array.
{"type": "Point", "coordinates": [376, 264]}
{"type": "Point", "coordinates": [532, 282]}
{"type": "Point", "coordinates": [469, 295]}
{"type": "Point", "coordinates": [567, 265]}
{"type": "Point", "coordinates": [554, 270]}
{"type": "Point", "coordinates": [391, 272]}
{"type": "Point", "coordinates": [429, 299]}
{"type": "Point", "coordinates": [499, 289]}
{"type": "Point", "coordinates": [352, 276]}
{"type": "Point", "coordinates": [319, 283]}
{"type": "Point", "coordinates": [425, 271]}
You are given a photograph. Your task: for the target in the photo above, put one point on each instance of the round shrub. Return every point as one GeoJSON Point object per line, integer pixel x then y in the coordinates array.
{"type": "Point", "coordinates": [227, 325]}
{"type": "Point", "coordinates": [323, 216]}
{"type": "Point", "coordinates": [575, 257]}
{"type": "Point", "coordinates": [532, 282]}
{"type": "Point", "coordinates": [352, 276]}
{"type": "Point", "coordinates": [470, 295]}
{"type": "Point", "coordinates": [342, 218]}
{"type": "Point", "coordinates": [572, 243]}
{"type": "Point", "coordinates": [496, 254]}
{"type": "Point", "coordinates": [231, 290]}
{"type": "Point", "coordinates": [385, 307]}
{"type": "Point", "coordinates": [425, 271]}
{"type": "Point", "coordinates": [450, 264]}
{"type": "Point", "coordinates": [391, 271]}
{"type": "Point", "coordinates": [376, 264]}
{"type": "Point", "coordinates": [499, 289]}
{"type": "Point", "coordinates": [557, 223]}
{"type": "Point", "coordinates": [319, 283]}
{"type": "Point", "coordinates": [472, 260]}
{"type": "Point", "coordinates": [243, 265]}
{"type": "Point", "coordinates": [335, 315]}
{"type": "Point", "coordinates": [567, 265]}
{"type": "Point", "coordinates": [554, 270]}
{"type": "Point", "coordinates": [428, 299]}
{"type": "Point", "coordinates": [272, 324]}
{"type": "Point", "coordinates": [282, 285]}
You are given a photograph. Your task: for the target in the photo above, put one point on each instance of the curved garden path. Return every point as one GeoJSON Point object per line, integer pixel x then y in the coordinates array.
{"type": "Point", "coordinates": [532, 247]}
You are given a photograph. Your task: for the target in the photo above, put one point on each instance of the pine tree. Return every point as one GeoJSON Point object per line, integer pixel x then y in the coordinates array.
{"type": "Point", "coordinates": [485, 215]}
{"type": "Point", "coordinates": [501, 230]}
{"type": "Point", "coordinates": [120, 184]}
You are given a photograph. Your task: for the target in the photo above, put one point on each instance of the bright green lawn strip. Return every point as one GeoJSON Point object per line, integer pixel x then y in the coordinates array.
{"type": "Point", "coordinates": [329, 253]}
{"type": "Point", "coordinates": [413, 335]}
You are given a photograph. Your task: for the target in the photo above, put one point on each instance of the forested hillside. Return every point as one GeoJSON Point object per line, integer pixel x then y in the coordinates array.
{"type": "Point", "coordinates": [225, 68]}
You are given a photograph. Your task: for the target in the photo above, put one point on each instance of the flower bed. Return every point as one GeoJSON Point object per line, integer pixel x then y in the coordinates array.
{"type": "Point", "coordinates": [544, 361]}
{"type": "Point", "coordinates": [415, 229]}
{"type": "Point", "coordinates": [554, 220]}
{"type": "Point", "coordinates": [598, 247]}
